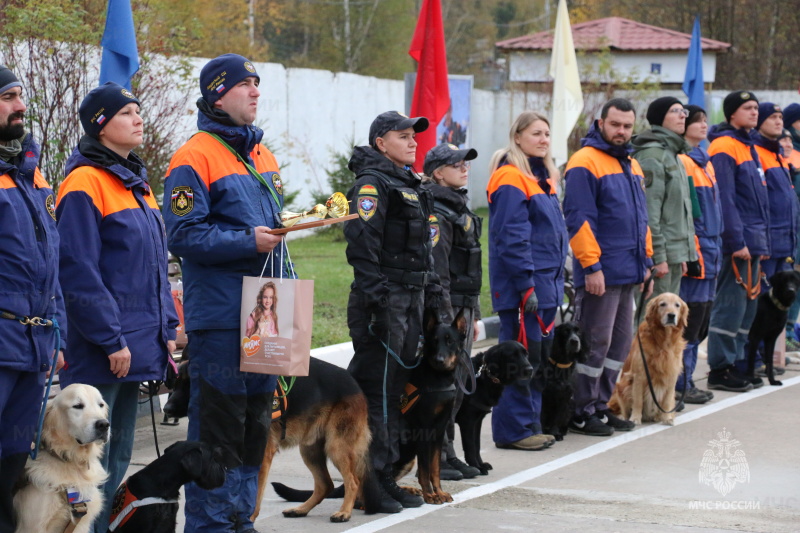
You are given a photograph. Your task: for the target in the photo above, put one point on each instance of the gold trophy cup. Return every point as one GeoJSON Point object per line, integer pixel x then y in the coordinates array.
{"type": "Point", "coordinates": [336, 206]}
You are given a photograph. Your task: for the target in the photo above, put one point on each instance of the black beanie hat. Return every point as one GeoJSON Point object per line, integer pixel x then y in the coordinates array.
{"type": "Point", "coordinates": [101, 104]}
{"type": "Point", "coordinates": [7, 79]}
{"type": "Point", "coordinates": [694, 114]}
{"type": "Point", "coordinates": [766, 110]}
{"type": "Point", "coordinates": [221, 73]}
{"type": "Point", "coordinates": [658, 109]}
{"type": "Point", "coordinates": [734, 101]}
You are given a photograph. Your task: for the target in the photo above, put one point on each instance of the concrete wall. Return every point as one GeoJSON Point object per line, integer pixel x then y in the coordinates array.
{"type": "Point", "coordinates": [309, 114]}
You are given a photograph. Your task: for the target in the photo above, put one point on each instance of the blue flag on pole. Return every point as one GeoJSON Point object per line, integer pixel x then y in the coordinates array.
{"type": "Point", "coordinates": [120, 55]}
{"type": "Point", "coordinates": [693, 80]}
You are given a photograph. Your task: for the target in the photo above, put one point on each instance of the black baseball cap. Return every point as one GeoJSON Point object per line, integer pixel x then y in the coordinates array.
{"type": "Point", "coordinates": [446, 154]}
{"type": "Point", "coordinates": [393, 121]}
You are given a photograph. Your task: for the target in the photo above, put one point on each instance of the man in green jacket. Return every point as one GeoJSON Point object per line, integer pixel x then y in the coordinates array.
{"type": "Point", "coordinates": [669, 194]}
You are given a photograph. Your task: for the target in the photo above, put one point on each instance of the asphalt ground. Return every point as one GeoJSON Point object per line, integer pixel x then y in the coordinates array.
{"type": "Point", "coordinates": [651, 479]}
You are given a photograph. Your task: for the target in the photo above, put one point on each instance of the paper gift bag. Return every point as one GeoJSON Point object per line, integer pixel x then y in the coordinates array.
{"type": "Point", "coordinates": [276, 316]}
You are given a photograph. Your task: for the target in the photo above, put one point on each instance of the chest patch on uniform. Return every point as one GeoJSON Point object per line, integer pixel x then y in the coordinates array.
{"type": "Point", "coordinates": [434, 225]}
{"type": "Point", "coordinates": [182, 200]}
{"type": "Point", "coordinates": [410, 196]}
{"type": "Point", "coordinates": [276, 182]}
{"type": "Point", "coordinates": [50, 204]}
{"type": "Point", "coordinates": [467, 224]}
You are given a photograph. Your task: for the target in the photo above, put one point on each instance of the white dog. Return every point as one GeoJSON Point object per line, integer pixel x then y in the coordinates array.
{"type": "Point", "coordinates": [61, 486]}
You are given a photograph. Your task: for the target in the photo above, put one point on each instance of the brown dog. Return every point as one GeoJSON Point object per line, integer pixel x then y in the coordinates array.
{"type": "Point", "coordinates": [661, 334]}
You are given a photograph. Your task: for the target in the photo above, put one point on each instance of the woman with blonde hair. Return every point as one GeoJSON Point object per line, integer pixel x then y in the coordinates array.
{"type": "Point", "coordinates": [527, 248]}
{"type": "Point", "coordinates": [264, 318]}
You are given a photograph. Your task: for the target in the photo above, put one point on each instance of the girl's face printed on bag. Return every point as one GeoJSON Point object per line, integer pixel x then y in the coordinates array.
{"type": "Point", "coordinates": [125, 130]}
{"type": "Point", "coordinates": [400, 146]}
{"type": "Point", "coordinates": [267, 297]}
{"type": "Point", "coordinates": [534, 141]}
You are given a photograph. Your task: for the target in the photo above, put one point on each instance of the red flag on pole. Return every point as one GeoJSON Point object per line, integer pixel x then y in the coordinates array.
{"type": "Point", "coordinates": [431, 91]}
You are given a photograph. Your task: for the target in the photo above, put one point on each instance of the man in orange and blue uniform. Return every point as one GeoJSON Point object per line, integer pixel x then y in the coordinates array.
{"type": "Point", "coordinates": [606, 213]}
{"type": "Point", "coordinates": [28, 287]}
{"type": "Point", "coordinates": [222, 195]}
{"type": "Point", "coordinates": [745, 239]}
{"type": "Point", "coordinates": [783, 205]}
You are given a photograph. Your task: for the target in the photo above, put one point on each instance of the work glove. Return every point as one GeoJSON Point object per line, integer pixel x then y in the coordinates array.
{"type": "Point", "coordinates": [379, 322]}
{"type": "Point", "coordinates": [532, 304]}
{"type": "Point", "coordinates": [433, 296]}
{"type": "Point", "coordinates": [693, 269]}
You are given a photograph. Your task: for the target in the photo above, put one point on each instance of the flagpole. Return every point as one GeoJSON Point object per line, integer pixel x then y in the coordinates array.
{"type": "Point", "coordinates": [567, 100]}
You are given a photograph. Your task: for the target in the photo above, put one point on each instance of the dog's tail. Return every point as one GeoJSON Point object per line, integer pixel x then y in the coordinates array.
{"type": "Point", "coordinates": [369, 497]}
{"type": "Point", "coordinates": [295, 495]}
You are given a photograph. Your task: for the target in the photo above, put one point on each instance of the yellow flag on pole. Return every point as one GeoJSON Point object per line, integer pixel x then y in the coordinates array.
{"type": "Point", "coordinates": [567, 102]}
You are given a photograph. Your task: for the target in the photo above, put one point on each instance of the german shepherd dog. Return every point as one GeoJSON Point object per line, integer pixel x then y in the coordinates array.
{"type": "Point", "coordinates": [771, 312]}
{"type": "Point", "coordinates": [503, 364]}
{"type": "Point", "coordinates": [326, 416]}
{"type": "Point", "coordinates": [569, 347]}
{"type": "Point", "coordinates": [428, 404]}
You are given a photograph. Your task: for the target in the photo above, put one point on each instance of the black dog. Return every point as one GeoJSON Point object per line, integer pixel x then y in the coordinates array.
{"type": "Point", "coordinates": [569, 347]}
{"type": "Point", "coordinates": [501, 365]}
{"type": "Point", "coordinates": [428, 404]}
{"type": "Point", "coordinates": [161, 480]}
{"type": "Point", "coordinates": [770, 320]}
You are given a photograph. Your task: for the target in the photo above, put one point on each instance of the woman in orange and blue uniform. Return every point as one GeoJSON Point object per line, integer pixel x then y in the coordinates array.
{"type": "Point", "coordinates": [699, 284]}
{"type": "Point", "coordinates": [527, 248]}
{"type": "Point", "coordinates": [113, 271]}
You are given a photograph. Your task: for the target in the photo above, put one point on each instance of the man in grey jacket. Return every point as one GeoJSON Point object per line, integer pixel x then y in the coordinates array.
{"type": "Point", "coordinates": [668, 190]}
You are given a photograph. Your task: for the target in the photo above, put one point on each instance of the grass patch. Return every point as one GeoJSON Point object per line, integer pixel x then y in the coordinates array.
{"type": "Point", "coordinates": [321, 257]}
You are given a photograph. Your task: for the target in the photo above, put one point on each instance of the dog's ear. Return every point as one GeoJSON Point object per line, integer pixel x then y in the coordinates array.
{"type": "Point", "coordinates": [683, 319]}
{"type": "Point", "coordinates": [651, 311]}
{"type": "Point", "coordinates": [461, 324]}
{"type": "Point", "coordinates": [430, 319]}
{"type": "Point", "coordinates": [203, 467]}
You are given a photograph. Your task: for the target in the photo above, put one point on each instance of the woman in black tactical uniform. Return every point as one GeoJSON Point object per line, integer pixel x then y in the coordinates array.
{"type": "Point", "coordinates": [389, 247]}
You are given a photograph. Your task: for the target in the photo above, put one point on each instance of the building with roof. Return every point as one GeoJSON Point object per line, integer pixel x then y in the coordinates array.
{"type": "Point", "coordinates": [638, 52]}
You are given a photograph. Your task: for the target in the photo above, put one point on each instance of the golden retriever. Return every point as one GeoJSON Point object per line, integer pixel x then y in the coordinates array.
{"type": "Point", "coordinates": [75, 431]}
{"type": "Point", "coordinates": [661, 334]}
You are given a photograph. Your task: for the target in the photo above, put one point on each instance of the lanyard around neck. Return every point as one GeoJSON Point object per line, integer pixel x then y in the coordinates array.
{"type": "Point", "coordinates": [249, 167]}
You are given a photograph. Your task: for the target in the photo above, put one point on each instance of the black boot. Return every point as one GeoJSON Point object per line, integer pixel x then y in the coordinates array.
{"type": "Point", "coordinates": [11, 469]}
{"type": "Point", "coordinates": [406, 499]}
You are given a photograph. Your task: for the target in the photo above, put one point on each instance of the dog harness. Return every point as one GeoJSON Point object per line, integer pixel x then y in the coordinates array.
{"type": "Point", "coordinates": [411, 395]}
{"type": "Point", "coordinates": [126, 504]}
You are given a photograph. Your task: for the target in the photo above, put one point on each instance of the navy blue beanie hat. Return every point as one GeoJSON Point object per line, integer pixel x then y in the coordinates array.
{"type": "Point", "coordinates": [7, 79]}
{"type": "Point", "coordinates": [766, 110]}
{"type": "Point", "coordinates": [791, 114]}
{"type": "Point", "coordinates": [101, 104]}
{"type": "Point", "coordinates": [222, 73]}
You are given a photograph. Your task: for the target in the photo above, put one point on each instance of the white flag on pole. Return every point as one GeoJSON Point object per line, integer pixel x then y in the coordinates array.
{"type": "Point", "coordinates": [567, 100]}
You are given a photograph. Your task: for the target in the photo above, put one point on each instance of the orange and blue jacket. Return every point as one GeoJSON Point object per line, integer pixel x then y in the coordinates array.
{"type": "Point", "coordinates": [606, 213]}
{"type": "Point", "coordinates": [742, 188]}
{"type": "Point", "coordinates": [113, 267]}
{"type": "Point", "coordinates": [782, 198]}
{"type": "Point", "coordinates": [527, 237]}
{"type": "Point", "coordinates": [708, 226]}
{"type": "Point", "coordinates": [211, 205]}
{"type": "Point", "coordinates": [28, 262]}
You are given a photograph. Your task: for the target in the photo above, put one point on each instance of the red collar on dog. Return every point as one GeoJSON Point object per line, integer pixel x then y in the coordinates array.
{"type": "Point", "coordinates": [126, 503]}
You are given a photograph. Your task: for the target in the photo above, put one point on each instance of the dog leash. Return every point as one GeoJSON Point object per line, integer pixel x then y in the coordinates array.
{"type": "Point", "coordinates": [463, 358]}
{"type": "Point", "coordinates": [752, 290]}
{"type": "Point", "coordinates": [644, 359]}
{"type": "Point", "coordinates": [522, 336]}
{"type": "Point", "coordinates": [43, 322]}
{"type": "Point", "coordinates": [397, 358]}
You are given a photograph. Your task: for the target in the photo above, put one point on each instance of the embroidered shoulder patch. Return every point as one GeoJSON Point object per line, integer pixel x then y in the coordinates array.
{"type": "Point", "coordinates": [50, 204]}
{"type": "Point", "coordinates": [434, 225]}
{"type": "Point", "coordinates": [366, 206]}
{"type": "Point", "coordinates": [368, 190]}
{"type": "Point", "coordinates": [276, 182]}
{"type": "Point", "coordinates": [182, 200]}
